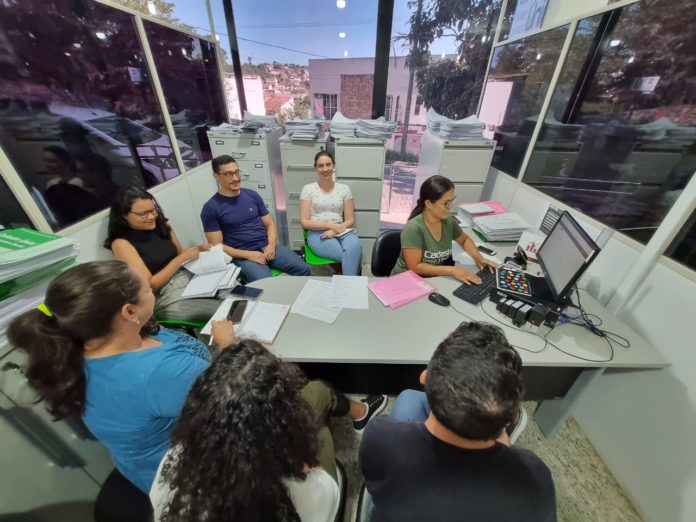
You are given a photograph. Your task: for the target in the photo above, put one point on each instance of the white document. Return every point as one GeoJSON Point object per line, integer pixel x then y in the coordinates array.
{"type": "Point", "coordinates": [219, 315]}
{"type": "Point", "coordinates": [314, 302]}
{"type": "Point", "coordinates": [204, 285]}
{"type": "Point", "coordinates": [214, 260]}
{"type": "Point", "coordinates": [346, 231]}
{"type": "Point", "coordinates": [261, 321]}
{"type": "Point", "coordinates": [349, 292]}
{"type": "Point", "coordinates": [230, 277]}
{"type": "Point", "coordinates": [476, 208]}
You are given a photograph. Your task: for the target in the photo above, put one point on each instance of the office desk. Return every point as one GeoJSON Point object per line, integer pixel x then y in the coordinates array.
{"type": "Point", "coordinates": [383, 350]}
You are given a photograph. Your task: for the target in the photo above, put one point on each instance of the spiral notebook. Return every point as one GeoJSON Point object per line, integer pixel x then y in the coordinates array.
{"type": "Point", "coordinates": [261, 321]}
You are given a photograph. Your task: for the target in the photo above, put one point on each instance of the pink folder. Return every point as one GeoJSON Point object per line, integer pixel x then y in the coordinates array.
{"type": "Point", "coordinates": [401, 289]}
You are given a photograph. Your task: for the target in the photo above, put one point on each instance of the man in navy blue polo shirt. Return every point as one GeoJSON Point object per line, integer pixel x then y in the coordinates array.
{"type": "Point", "coordinates": [238, 218]}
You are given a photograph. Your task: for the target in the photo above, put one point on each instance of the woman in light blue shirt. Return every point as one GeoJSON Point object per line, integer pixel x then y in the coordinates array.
{"type": "Point", "coordinates": [88, 356]}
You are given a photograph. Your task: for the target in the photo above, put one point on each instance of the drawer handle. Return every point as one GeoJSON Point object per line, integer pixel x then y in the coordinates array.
{"type": "Point", "coordinates": [261, 186]}
{"type": "Point", "coordinates": [294, 195]}
{"type": "Point", "coordinates": [258, 165]}
{"type": "Point", "coordinates": [300, 166]}
{"type": "Point", "coordinates": [238, 155]}
{"type": "Point", "coordinates": [295, 220]}
{"type": "Point", "coordinates": [255, 143]}
{"type": "Point", "coordinates": [219, 142]}
{"type": "Point", "coordinates": [245, 176]}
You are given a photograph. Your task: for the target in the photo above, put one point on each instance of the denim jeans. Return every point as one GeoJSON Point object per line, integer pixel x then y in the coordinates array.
{"type": "Point", "coordinates": [285, 260]}
{"type": "Point", "coordinates": [411, 406]}
{"type": "Point", "coordinates": [347, 248]}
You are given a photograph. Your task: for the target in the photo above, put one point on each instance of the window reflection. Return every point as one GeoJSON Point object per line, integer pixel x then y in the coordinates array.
{"type": "Point", "coordinates": [619, 140]}
{"type": "Point", "coordinates": [518, 81]}
{"type": "Point", "coordinates": [683, 248]}
{"type": "Point", "coordinates": [78, 115]}
{"type": "Point", "coordinates": [190, 78]}
{"type": "Point", "coordinates": [11, 213]}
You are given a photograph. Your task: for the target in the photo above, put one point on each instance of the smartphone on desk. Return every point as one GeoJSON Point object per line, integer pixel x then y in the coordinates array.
{"type": "Point", "coordinates": [246, 291]}
{"type": "Point", "coordinates": [486, 250]}
{"type": "Point", "coordinates": [237, 310]}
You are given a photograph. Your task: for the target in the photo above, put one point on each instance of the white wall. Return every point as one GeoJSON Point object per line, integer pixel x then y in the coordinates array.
{"type": "Point", "coordinates": [642, 423]}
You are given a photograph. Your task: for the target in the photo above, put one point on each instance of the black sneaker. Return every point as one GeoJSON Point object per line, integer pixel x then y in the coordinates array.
{"type": "Point", "coordinates": [515, 429]}
{"type": "Point", "coordinates": [375, 404]}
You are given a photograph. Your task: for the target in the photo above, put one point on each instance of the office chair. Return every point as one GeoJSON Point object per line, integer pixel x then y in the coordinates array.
{"type": "Point", "coordinates": [342, 491]}
{"type": "Point", "coordinates": [313, 259]}
{"type": "Point", "coordinates": [120, 501]}
{"type": "Point", "coordinates": [385, 252]}
{"type": "Point", "coordinates": [189, 327]}
{"type": "Point", "coordinates": [364, 511]}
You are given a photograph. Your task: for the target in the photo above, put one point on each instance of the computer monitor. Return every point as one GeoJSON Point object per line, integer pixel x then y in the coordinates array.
{"type": "Point", "coordinates": [565, 255]}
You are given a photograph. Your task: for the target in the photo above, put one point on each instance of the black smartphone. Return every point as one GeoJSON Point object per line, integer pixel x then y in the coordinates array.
{"type": "Point", "coordinates": [485, 250]}
{"type": "Point", "coordinates": [237, 310]}
{"type": "Point", "coordinates": [246, 291]}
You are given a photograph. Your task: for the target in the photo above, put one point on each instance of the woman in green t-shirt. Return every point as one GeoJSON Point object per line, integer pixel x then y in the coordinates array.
{"type": "Point", "coordinates": [426, 240]}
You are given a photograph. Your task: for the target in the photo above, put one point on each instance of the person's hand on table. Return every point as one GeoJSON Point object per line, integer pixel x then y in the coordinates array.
{"type": "Point", "coordinates": [222, 333]}
{"type": "Point", "coordinates": [465, 276]}
{"type": "Point", "coordinates": [485, 263]}
{"type": "Point", "coordinates": [269, 252]}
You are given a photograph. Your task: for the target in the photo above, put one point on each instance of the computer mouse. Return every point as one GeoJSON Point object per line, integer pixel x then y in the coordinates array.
{"type": "Point", "coordinates": [439, 299]}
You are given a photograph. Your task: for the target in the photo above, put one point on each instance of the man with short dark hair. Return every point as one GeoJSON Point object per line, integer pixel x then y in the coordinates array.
{"type": "Point", "coordinates": [238, 218]}
{"type": "Point", "coordinates": [447, 454]}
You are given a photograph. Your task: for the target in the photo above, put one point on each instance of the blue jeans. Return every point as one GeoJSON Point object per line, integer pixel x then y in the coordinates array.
{"type": "Point", "coordinates": [285, 260]}
{"type": "Point", "coordinates": [411, 406]}
{"type": "Point", "coordinates": [347, 248]}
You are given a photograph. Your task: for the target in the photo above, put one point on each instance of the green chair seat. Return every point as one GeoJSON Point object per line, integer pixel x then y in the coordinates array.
{"type": "Point", "coordinates": [181, 324]}
{"type": "Point", "coordinates": [313, 259]}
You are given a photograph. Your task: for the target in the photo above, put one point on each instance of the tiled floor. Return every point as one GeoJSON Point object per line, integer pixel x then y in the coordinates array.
{"type": "Point", "coordinates": [585, 489]}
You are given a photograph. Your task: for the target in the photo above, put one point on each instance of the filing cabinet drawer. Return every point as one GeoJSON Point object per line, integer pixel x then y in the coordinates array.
{"type": "Point", "coordinates": [367, 222]}
{"type": "Point", "coordinates": [254, 171]}
{"type": "Point", "coordinates": [264, 189]}
{"type": "Point", "coordinates": [360, 161]}
{"type": "Point", "coordinates": [466, 164]}
{"type": "Point", "coordinates": [240, 148]}
{"type": "Point", "coordinates": [294, 182]}
{"type": "Point", "coordinates": [466, 193]}
{"type": "Point", "coordinates": [293, 216]}
{"type": "Point", "coordinates": [367, 194]}
{"type": "Point", "coordinates": [300, 153]}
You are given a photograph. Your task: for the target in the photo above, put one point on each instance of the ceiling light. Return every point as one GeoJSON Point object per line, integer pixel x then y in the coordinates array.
{"type": "Point", "coordinates": [345, 53]}
{"type": "Point", "coordinates": [442, 55]}
{"type": "Point", "coordinates": [100, 35]}
{"type": "Point", "coordinates": [340, 4]}
{"type": "Point", "coordinates": [483, 39]}
{"type": "Point", "coordinates": [77, 45]}
{"type": "Point", "coordinates": [631, 59]}
{"type": "Point", "coordinates": [151, 7]}
{"type": "Point", "coordinates": [614, 43]}
{"type": "Point", "coordinates": [341, 34]}
{"type": "Point", "coordinates": [538, 56]}
{"type": "Point", "coordinates": [67, 54]}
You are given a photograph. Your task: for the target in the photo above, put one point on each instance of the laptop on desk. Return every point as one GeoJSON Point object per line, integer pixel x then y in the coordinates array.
{"type": "Point", "coordinates": [564, 256]}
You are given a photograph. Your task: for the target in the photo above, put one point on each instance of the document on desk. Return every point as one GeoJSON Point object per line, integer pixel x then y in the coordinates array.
{"type": "Point", "coordinates": [399, 290]}
{"type": "Point", "coordinates": [314, 302]}
{"type": "Point", "coordinates": [214, 260]}
{"type": "Point", "coordinates": [349, 292]}
{"type": "Point", "coordinates": [261, 321]}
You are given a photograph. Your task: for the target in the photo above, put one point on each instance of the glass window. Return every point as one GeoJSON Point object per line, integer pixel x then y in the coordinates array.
{"type": "Point", "coordinates": [188, 71]}
{"type": "Point", "coordinates": [683, 248]}
{"type": "Point", "coordinates": [522, 16]}
{"type": "Point", "coordinates": [78, 114]}
{"type": "Point", "coordinates": [619, 139]}
{"type": "Point", "coordinates": [313, 56]}
{"type": "Point", "coordinates": [439, 55]}
{"type": "Point", "coordinates": [517, 84]}
{"type": "Point", "coordinates": [12, 215]}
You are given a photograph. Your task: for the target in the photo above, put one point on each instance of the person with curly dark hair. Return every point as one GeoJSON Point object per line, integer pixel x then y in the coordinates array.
{"type": "Point", "coordinates": [248, 445]}
{"type": "Point", "coordinates": [447, 454]}
{"type": "Point", "coordinates": [88, 356]}
{"type": "Point", "coordinates": [140, 235]}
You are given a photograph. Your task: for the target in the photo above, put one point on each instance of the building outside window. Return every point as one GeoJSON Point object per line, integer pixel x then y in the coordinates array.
{"type": "Point", "coordinates": [389, 113]}
{"type": "Point", "coordinates": [326, 105]}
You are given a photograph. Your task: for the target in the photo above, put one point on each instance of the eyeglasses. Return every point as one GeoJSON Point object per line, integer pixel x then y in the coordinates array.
{"type": "Point", "coordinates": [146, 213]}
{"type": "Point", "coordinates": [232, 174]}
{"type": "Point", "coordinates": [448, 204]}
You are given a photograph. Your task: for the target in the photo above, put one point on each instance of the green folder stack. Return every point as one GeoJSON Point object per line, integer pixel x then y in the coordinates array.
{"type": "Point", "coordinates": [29, 261]}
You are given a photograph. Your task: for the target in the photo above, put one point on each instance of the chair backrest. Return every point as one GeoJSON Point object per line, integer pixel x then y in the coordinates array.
{"type": "Point", "coordinates": [385, 252]}
{"type": "Point", "coordinates": [121, 501]}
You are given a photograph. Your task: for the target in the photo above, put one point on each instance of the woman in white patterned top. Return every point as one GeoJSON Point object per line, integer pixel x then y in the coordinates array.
{"type": "Point", "coordinates": [327, 211]}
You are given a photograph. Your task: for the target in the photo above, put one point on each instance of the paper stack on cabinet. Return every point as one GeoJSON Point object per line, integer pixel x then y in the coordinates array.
{"type": "Point", "coordinates": [500, 227]}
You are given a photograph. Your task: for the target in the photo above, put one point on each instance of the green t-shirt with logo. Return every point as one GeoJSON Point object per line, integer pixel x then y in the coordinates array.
{"type": "Point", "coordinates": [416, 235]}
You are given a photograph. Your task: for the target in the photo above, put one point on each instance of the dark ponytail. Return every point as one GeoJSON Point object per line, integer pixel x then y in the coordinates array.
{"type": "Point", "coordinates": [83, 303]}
{"type": "Point", "coordinates": [432, 189]}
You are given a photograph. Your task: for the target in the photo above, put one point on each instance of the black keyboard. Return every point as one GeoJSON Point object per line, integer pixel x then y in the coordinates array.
{"type": "Point", "coordinates": [474, 294]}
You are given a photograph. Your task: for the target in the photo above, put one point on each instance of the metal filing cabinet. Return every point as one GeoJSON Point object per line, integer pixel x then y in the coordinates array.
{"type": "Point", "coordinates": [258, 155]}
{"type": "Point", "coordinates": [297, 159]}
{"type": "Point", "coordinates": [360, 165]}
{"type": "Point", "coordinates": [465, 162]}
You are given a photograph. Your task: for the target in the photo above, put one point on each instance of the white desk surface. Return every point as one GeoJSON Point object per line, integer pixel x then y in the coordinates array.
{"type": "Point", "coordinates": [410, 334]}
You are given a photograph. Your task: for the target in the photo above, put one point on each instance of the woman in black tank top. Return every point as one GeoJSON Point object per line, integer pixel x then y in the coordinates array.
{"type": "Point", "coordinates": [140, 236]}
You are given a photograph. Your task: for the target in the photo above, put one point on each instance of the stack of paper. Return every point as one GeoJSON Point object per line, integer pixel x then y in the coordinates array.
{"type": "Point", "coordinates": [323, 300]}
{"type": "Point", "coordinates": [500, 227]}
{"type": "Point", "coordinates": [401, 289]}
{"type": "Point", "coordinates": [267, 122]}
{"type": "Point", "coordinates": [342, 127]}
{"type": "Point", "coordinates": [212, 271]}
{"type": "Point", "coordinates": [467, 211]}
{"type": "Point", "coordinates": [29, 260]}
{"type": "Point", "coordinates": [378, 129]}
{"type": "Point", "coordinates": [304, 130]}
{"type": "Point", "coordinates": [470, 128]}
